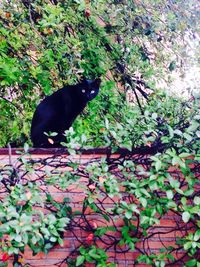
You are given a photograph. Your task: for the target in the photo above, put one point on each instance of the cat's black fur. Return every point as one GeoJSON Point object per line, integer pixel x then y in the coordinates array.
{"type": "Point", "coordinates": [57, 112]}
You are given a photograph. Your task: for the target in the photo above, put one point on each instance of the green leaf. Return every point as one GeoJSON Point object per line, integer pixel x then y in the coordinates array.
{"type": "Point", "coordinates": [101, 231]}
{"type": "Point", "coordinates": [45, 231]}
{"type": "Point", "coordinates": [134, 208]}
{"type": "Point", "coordinates": [47, 247]}
{"type": "Point", "coordinates": [170, 194]}
{"type": "Point", "coordinates": [60, 242]}
{"type": "Point", "coordinates": [197, 200]}
{"type": "Point", "coordinates": [193, 127]}
{"type": "Point", "coordinates": [53, 239]}
{"type": "Point", "coordinates": [154, 115]}
{"type": "Point", "coordinates": [171, 131]}
{"type": "Point", "coordinates": [143, 201]}
{"type": "Point", "coordinates": [26, 147]}
{"type": "Point", "coordinates": [128, 214]}
{"type": "Point", "coordinates": [80, 259]}
{"type": "Point", "coordinates": [189, 192]}
{"type": "Point", "coordinates": [174, 183]}
{"type": "Point", "coordinates": [178, 132]}
{"type": "Point", "coordinates": [183, 201]}
{"type": "Point", "coordinates": [186, 216]}
{"type": "Point", "coordinates": [187, 245]}
{"type": "Point", "coordinates": [187, 137]}
{"type": "Point", "coordinates": [18, 238]}
{"type": "Point", "coordinates": [94, 255]}
{"type": "Point", "coordinates": [197, 235]}
{"type": "Point", "coordinates": [184, 155]}
{"type": "Point", "coordinates": [106, 123]}
{"type": "Point", "coordinates": [106, 217]}
{"type": "Point", "coordinates": [158, 165]}
{"type": "Point", "coordinates": [191, 263]}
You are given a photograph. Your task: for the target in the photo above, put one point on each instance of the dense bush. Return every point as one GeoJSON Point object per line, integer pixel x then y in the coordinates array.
{"type": "Point", "coordinates": [45, 44]}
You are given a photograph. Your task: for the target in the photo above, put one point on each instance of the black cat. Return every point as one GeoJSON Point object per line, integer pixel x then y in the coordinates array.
{"type": "Point", "coordinates": [57, 112]}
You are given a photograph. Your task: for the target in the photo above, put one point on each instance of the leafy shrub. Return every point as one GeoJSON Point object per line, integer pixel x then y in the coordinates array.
{"type": "Point", "coordinates": [46, 44]}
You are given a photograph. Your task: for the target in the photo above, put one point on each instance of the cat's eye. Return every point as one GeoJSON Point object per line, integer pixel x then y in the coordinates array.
{"type": "Point", "coordinates": [92, 92]}
{"type": "Point", "coordinates": [83, 90]}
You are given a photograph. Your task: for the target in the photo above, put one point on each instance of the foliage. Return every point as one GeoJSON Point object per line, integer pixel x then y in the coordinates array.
{"type": "Point", "coordinates": [22, 224]}
{"type": "Point", "coordinates": [94, 255]}
{"type": "Point", "coordinates": [46, 44]}
{"type": "Point", "coordinates": [143, 186]}
{"type": "Point", "coordinates": [165, 120]}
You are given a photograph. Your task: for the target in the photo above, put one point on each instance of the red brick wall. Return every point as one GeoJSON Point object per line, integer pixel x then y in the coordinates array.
{"type": "Point", "coordinates": [164, 235]}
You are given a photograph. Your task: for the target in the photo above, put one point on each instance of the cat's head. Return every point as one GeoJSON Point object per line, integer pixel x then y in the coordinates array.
{"type": "Point", "coordinates": [89, 89]}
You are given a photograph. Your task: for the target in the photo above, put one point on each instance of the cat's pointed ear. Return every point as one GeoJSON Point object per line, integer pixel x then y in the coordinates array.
{"type": "Point", "coordinates": [82, 80]}
{"type": "Point", "coordinates": [97, 82]}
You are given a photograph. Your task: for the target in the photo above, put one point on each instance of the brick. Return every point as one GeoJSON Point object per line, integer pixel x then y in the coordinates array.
{"type": "Point", "coordinates": [76, 195]}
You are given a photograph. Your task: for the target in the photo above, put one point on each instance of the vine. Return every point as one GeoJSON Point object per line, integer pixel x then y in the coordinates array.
{"type": "Point", "coordinates": [141, 189]}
